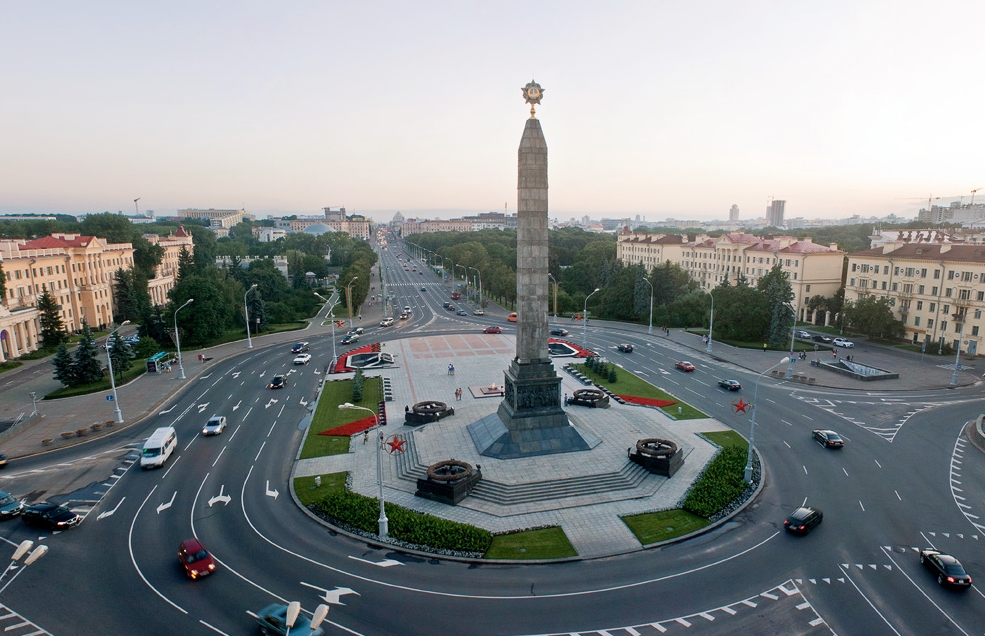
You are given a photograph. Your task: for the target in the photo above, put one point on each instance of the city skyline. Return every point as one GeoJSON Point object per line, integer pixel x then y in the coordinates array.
{"type": "Point", "coordinates": [659, 111]}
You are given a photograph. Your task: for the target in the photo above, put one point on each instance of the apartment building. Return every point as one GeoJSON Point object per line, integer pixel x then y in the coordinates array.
{"type": "Point", "coordinates": [167, 272]}
{"type": "Point", "coordinates": [937, 290]}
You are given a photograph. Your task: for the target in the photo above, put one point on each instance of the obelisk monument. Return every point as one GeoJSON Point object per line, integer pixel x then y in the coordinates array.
{"type": "Point", "coordinates": [530, 418]}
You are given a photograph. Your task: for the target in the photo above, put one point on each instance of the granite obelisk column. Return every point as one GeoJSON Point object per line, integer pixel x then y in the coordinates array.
{"type": "Point", "coordinates": [531, 420]}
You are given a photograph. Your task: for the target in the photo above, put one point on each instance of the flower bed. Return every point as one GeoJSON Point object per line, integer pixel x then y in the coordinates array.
{"type": "Point", "coordinates": [347, 430]}
{"type": "Point", "coordinates": [635, 399]}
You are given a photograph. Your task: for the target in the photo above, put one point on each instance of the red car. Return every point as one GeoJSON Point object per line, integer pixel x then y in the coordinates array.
{"type": "Point", "coordinates": [195, 559]}
{"type": "Point", "coordinates": [493, 330]}
{"type": "Point", "coordinates": [684, 365]}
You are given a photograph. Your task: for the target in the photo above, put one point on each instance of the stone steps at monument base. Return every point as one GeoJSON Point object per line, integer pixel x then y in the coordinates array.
{"type": "Point", "coordinates": [630, 477]}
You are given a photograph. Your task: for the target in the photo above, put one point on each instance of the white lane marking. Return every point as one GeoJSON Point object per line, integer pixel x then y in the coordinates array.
{"type": "Point", "coordinates": [788, 445]}
{"type": "Point", "coordinates": [860, 505]}
{"type": "Point", "coordinates": [110, 513]}
{"type": "Point", "coordinates": [259, 451]}
{"type": "Point", "coordinates": [250, 410]}
{"type": "Point", "coordinates": [805, 469]}
{"type": "Point", "coordinates": [225, 499]}
{"type": "Point", "coordinates": [332, 597]}
{"type": "Point", "coordinates": [237, 405]}
{"type": "Point", "coordinates": [233, 436]}
{"type": "Point", "coordinates": [165, 506]}
{"type": "Point", "coordinates": [385, 563]}
{"type": "Point", "coordinates": [218, 456]}
{"type": "Point", "coordinates": [271, 493]}
{"type": "Point", "coordinates": [168, 411]}
{"type": "Point", "coordinates": [844, 571]}
{"type": "Point", "coordinates": [897, 496]}
{"type": "Point", "coordinates": [844, 471]}
{"type": "Point", "coordinates": [168, 471]}
{"type": "Point", "coordinates": [133, 559]}
{"type": "Point", "coordinates": [878, 464]}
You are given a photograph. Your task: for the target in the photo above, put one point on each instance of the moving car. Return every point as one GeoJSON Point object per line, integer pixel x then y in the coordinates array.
{"type": "Point", "coordinates": [9, 507]}
{"type": "Point", "coordinates": [51, 516]}
{"type": "Point", "coordinates": [493, 330]}
{"type": "Point", "coordinates": [278, 382]}
{"type": "Point", "coordinates": [828, 439]}
{"type": "Point", "coordinates": [215, 425]}
{"type": "Point", "coordinates": [804, 335]}
{"type": "Point", "coordinates": [949, 570]}
{"type": "Point", "coordinates": [557, 331]}
{"type": "Point", "coordinates": [304, 358]}
{"type": "Point", "coordinates": [195, 559]}
{"type": "Point", "coordinates": [821, 338]}
{"type": "Point", "coordinates": [625, 348]}
{"type": "Point", "coordinates": [478, 312]}
{"type": "Point", "coordinates": [350, 338]}
{"type": "Point", "coordinates": [424, 288]}
{"type": "Point", "coordinates": [684, 365]}
{"type": "Point", "coordinates": [386, 322]}
{"type": "Point", "coordinates": [404, 315]}
{"type": "Point", "coordinates": [450, 307]}
{"type": "Point", "coordinates": [273, 620]}
{"type": "Point", "coordinates": [158, 447]}
{"type": "Point", "coordinates": [512, 317]}
{"type": "Point", "coordinates": [841, 342]}
{"type": "Point", "coordinates": [299, 347]}
{"type": "Point", "coordinates": [461, 312]}
{"type": "Point", "coordinates": [803, 520]}
{"type": "Point", "coordinates": [730, 385]}
{"type": "Point", "coordinates": [358, 331]}
{"type": "Point", "coordinates": [445, 305]}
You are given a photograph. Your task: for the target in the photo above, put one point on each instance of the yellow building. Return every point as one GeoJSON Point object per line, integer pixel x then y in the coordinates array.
{"type": "Point", "coordinates": [166, 273]}
{"type": "Point", "coordinates": [937, 290]}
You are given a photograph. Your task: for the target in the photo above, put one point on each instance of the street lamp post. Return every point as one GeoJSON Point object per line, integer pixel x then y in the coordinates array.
{"type": "Point", "coordinates": [246, 312]}
{"type": "Point", "coordinates": [793, 333]}
{"type": "Point", "coordinates": [348, 298]}
{"type": "Point", "coordinates": [34, 400]}
{"type": "Point", "coordinates": [711, 321]}
{"type": "Point", "coordinates": [112, 381]}
{"type": "Point", "coordinates": [331, 318]}
{"type": "Point", "coordinates": [383, 522]}
{"type": "Point", "coordinates": [555, 283]}
{"type": "Point", "coordinates": [747, 476]}
{"type": "Point", "coordinates": [650, 328]}
{"type": "Point", "coordinates": [177, 338]}
{"type": "Point", "coordinates": [957, 362]}
{"type": "Point", "coordinates": [476, 278]}
{"type": "Point", "coordinates": [584, 318]}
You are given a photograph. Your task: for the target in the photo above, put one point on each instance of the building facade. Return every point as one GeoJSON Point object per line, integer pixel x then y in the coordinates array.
{"type": "Point", "coordinates": [167, 272]}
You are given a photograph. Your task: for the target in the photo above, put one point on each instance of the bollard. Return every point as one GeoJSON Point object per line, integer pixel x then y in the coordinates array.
{"type": "Point", "coordinates": [680, 411]}
{"type": "Point", "coordinates": [318, 480]}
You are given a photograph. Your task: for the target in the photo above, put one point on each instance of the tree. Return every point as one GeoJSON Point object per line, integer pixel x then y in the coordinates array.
{"type": "Point", "coordinates": [125, 296]}
{"type": "Point", "coordinates": [64, 366]}
{"type": "Point", "coordinates": [873, 317]}
{"type": "Point", "coordinates": [778, 293]}
{"type": "Point", "coordinates": [153, 327]}
{"type": "Point", "coordinates": [88, 368]}
{"type": "Point", "coordinates": [121, 354]}
{"type": "Point", "coordinates": [50, 318]}
{"type": "Point", "coordinates": [257, 311]}
{"type": "Point", "coordinates": [185, 264]}
{"type": "Point", "coordinates": [3, 284]}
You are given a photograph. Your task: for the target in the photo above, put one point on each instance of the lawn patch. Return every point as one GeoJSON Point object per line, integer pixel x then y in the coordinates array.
{"type": "Point", "coordinates": [328, 416]}
{"type": "Point", "coordinates": [545, 543]}
{"type": "Point", "coordinates": [727, 438]}
{"type": "Point", "coordinates": [308, 493]}
{"type": "Point", "coordinates": [654, 527]}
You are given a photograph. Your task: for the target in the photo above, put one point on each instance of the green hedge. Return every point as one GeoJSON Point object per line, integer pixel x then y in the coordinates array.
{"type": "Point", "coordinates": [405, 525]}
{"type": "Point", "coordinates": [719, 484]}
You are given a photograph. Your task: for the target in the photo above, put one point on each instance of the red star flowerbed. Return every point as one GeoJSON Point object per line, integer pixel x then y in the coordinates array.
{"type": "Point", "coordinates": [351, 428]}
{"type": "Point", "coordinates": [344, 358]}
{"type": "Point", "coordinates": [634, 399]}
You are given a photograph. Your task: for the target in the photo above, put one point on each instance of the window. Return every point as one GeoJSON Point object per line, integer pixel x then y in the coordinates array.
{"type": "Point", "coordinates": [909, 271]}
{"type": "Point", "coordinates": [978, 314]}
{"type": "Point", "coordinates": [933, 306]}
{"type": "Point", "coordinates": [895, 286]}
{"type": "Point", "coordinates": [933, 290]}
{"type": "Point", "coordinates": [916, 321]}
{"type": "Point", "coordinates": [930, 323]}
{"type": "Point", "coordinates": [945, 309]}
{"type": "Point", "coordinates": [907, 288]}
{"type": "Point", "coordinates": [877, 269]}
{"type": "Point", "coordinates": [950, 274]}
{"type": "Point", "coordinates": [943, 325]}
{"type": "Point", "coordinates": [808, 289]}
{"type": "Point", "coordinates": [966, 277]}
{"type": "Point", "coordinates": [921, 289]}
{"type": "Point", "coordinates": [974, 330]}
{"type": "Point", "coordinates": [883, 285]}
{"type": "Point", "coordinates": [947, 292]}
{"type": "Point", "coordinates": [919, 305]}
{"type": "Point", "coordinates": [980, 296]}
{"type": "Point", "coordinates": [964, 294]}
{"type": "Point", "coordinates": [923, 273]}
{"type": "Point", "coordinates": [937, 274]}
{"type": "Point", "coordinates": [851, 282]}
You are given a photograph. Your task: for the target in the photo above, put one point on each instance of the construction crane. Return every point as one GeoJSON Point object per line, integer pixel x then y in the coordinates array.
{"type": "Point", "coordinates": [973, 194]}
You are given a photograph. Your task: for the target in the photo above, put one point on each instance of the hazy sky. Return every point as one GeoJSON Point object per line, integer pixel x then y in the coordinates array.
{"type": "Point", "coordinates": [660, 108]}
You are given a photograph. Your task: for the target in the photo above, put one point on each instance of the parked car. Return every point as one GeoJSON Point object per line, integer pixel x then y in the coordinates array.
{"type": "Point", "coordinates": [304, 358]}
{"type": "Point", "coordinates": [684, 365]}
{"type": "Point", "coordinates": [215, 425]}
{"type": "Point", "coordinates": [350, 338]}
{"type": "Point", "coordinates": [803, 520]}
{"type": "Point", "coordinates": [9, 507]}
{"type": "Point", "coordinates": [730, 385]}
{"type": "Point", "coordinates": [273, 620]}
{"type": "Point", "coordinates": [841, 342]}
{"type": "Point", "coordinates": [804, 335]}
{"type": "Point", "coordinates": [493, 330]}
{"type": "Point", "coordinates": [828, 439]}
{"type": "Point", "coordinates": [949, 570]}
{"type": "Point", "coordinates": [821, 338]}
{"type": "Point", "coordinates": [195, 559]}
{"type": "Point", "coordinates": [278, 382]}
{"type": "Point", "coordinates": [625, 348]}
{"type": "Point", "coordinates": [386, 322]}
{"type": "Point", "coordinates": [299, 347]}
{"type": "Point", "coordinates": [51, 516]}
{"type": "Point", "coordinates": [557, 331]}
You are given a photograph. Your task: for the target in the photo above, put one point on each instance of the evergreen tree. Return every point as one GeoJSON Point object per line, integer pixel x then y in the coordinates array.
{"type": "Point", "coordinates": [3, 284]}
{"type": "Point", "coordinates": [64, 366]}
{"type": "Point", "coordinates": [154, 327]}
{"type": "Point", "coordinates": [52, 327]}
{"type": "Point", "coordinates": [186, 264]}
{"type": "Point", "coordinates": [257, 311]}
{"type": "Point", "coordinates": [775, 287]}
{"type": "Point", "coordinates": [88, 368]}
{"type": "Point", "coordinates": [121, 353]}
{"type": "Point", "coordinates": [125, 296]}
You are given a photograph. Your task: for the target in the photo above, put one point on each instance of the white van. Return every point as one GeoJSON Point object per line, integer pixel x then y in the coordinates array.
{"type": "Point", "coordinates": [159, 447]}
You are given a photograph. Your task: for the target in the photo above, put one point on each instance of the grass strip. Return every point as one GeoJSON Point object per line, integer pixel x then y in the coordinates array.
{"type": "Point", "coordinates": [654, 527]}
{"type": "Point", "coordinates": [328, 416]}
{"type": "Point", "coordinates": [308, 492]}
{"type": "Point", "coordinates": [543, 543]}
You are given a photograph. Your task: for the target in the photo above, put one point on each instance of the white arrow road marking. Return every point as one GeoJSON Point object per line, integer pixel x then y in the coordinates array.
{"type": "Point", "coordinates": [236, 374]}
{"type": "Point", "coordinates": [270, 403]}
{"type": "Point", "coordinates": [385, 563]}
{"type": "Point", "coordinates": [304, 402]}
{"type": "Point", "coordinates": [332, 596]}
{"type": "Point", "coordinates": [237, 405]}
{"type": "Point", "coordinates": [317, 372]}
{"type": "Point", "coordinates": [225, 499]}
{"type": "Point", "coordinates": [165, 506]}
{"type": "Point", "coordinates": [271, 493]}
{"type": "Point", "coordinates": [202, 407]}
{"type": "Point", "coordinates": [109, 513]}
{"type": "Point", "coordinates": [168, 411]}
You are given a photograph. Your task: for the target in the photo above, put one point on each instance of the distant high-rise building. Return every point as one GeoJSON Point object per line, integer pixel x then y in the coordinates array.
{"type": "Point", "coordinates": [774, 213]}
{"type": "Point", "coordinates": [733, 214]}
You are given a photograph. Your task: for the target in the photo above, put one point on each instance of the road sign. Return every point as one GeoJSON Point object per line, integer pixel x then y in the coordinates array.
{"type": "Point", "coordinates": [109, 398]}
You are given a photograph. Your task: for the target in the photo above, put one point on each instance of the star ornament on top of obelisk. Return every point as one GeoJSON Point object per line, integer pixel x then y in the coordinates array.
{"type": "Point", "coordinates": [532, 94]}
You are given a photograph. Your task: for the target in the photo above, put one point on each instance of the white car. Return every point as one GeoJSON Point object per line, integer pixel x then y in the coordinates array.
{"type": "Point", "coordinates": [304, 358]}
{"type": "Point", "coordinates": [841, 342]}
{"type": "Point", "coordinates": [386, 322]}
{"type": "Point", "coordinates": [215, 425]}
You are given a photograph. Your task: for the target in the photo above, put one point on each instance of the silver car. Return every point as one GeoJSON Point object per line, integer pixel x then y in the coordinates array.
{"type": "Point", "coordinates": [215, 425]}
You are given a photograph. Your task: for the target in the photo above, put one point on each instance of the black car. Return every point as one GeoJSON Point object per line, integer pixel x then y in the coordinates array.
{"type": "Point", "coordinates": [51, 516]}
{"type": "Point", "coordinates": [828, 439]}
{"type": "Point", "coordinates": [803, 520]}
{"type": "Point", "coordinates": [820, 338]}
{"type": "Point", "coordinates": [558, 332]}
{"type": "Point", "coordinates": [949, 570]}
{"type": "Point", "coordinates": [730, 385]}
{"type": "Point", "coordinates": [299, 347]}
{"type": "Point", "coordinates": [279, 382]}
{"type": "Point", "coordinates": [625, 348]}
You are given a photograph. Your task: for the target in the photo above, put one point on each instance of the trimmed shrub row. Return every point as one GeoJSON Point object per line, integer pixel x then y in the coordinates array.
{"type": "Point", "coordinates": [719, 484]}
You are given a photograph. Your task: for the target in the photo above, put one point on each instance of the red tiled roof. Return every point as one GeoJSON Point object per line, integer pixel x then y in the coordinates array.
{"type": "Point", "coordinates": [51, 242]}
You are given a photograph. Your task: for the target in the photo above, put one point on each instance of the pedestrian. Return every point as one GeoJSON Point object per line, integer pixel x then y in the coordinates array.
{"type": "Point", "coordinates": [566, 398]}
{"type": "Point", "coordinates": [834, 353]}
{"type": "Point", "coordinates": [365, 436]}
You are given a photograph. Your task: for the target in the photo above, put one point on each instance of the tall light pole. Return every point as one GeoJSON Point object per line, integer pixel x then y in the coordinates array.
{"type": "Point", "coordinates": [177, 338]}
{"type": "Point", "coordinates": [747, 476]}
{"type": "Point", "coordinates": [555, 283]}
{"type": "Point", "coordinates": [793, 333]}
{"type": "Point", "coordinates": [711, 320]}
{"type": "Point", "coordinates": [136, 208]}
{"type": "Point", "coordinates": [348, 298]}
{"type": "Point", "coordinates": [383, 522]}
{"type": "Point", "coordinates": [331, 318]}
{"type": "Point", "coordinates": [650, 328]}
{"type": "Point", "coordinates": [584, 318]}
{"type": "Point", "coordinates": [476, 278]}
{"type": "Point", "coordinates": [112, 381]}
{"type": "Point", "coordinates": [246, 312]}
{"type": "Point", "coordinates": [957, 361]}
{"type": "Point", "coordinates": [466, 278]}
